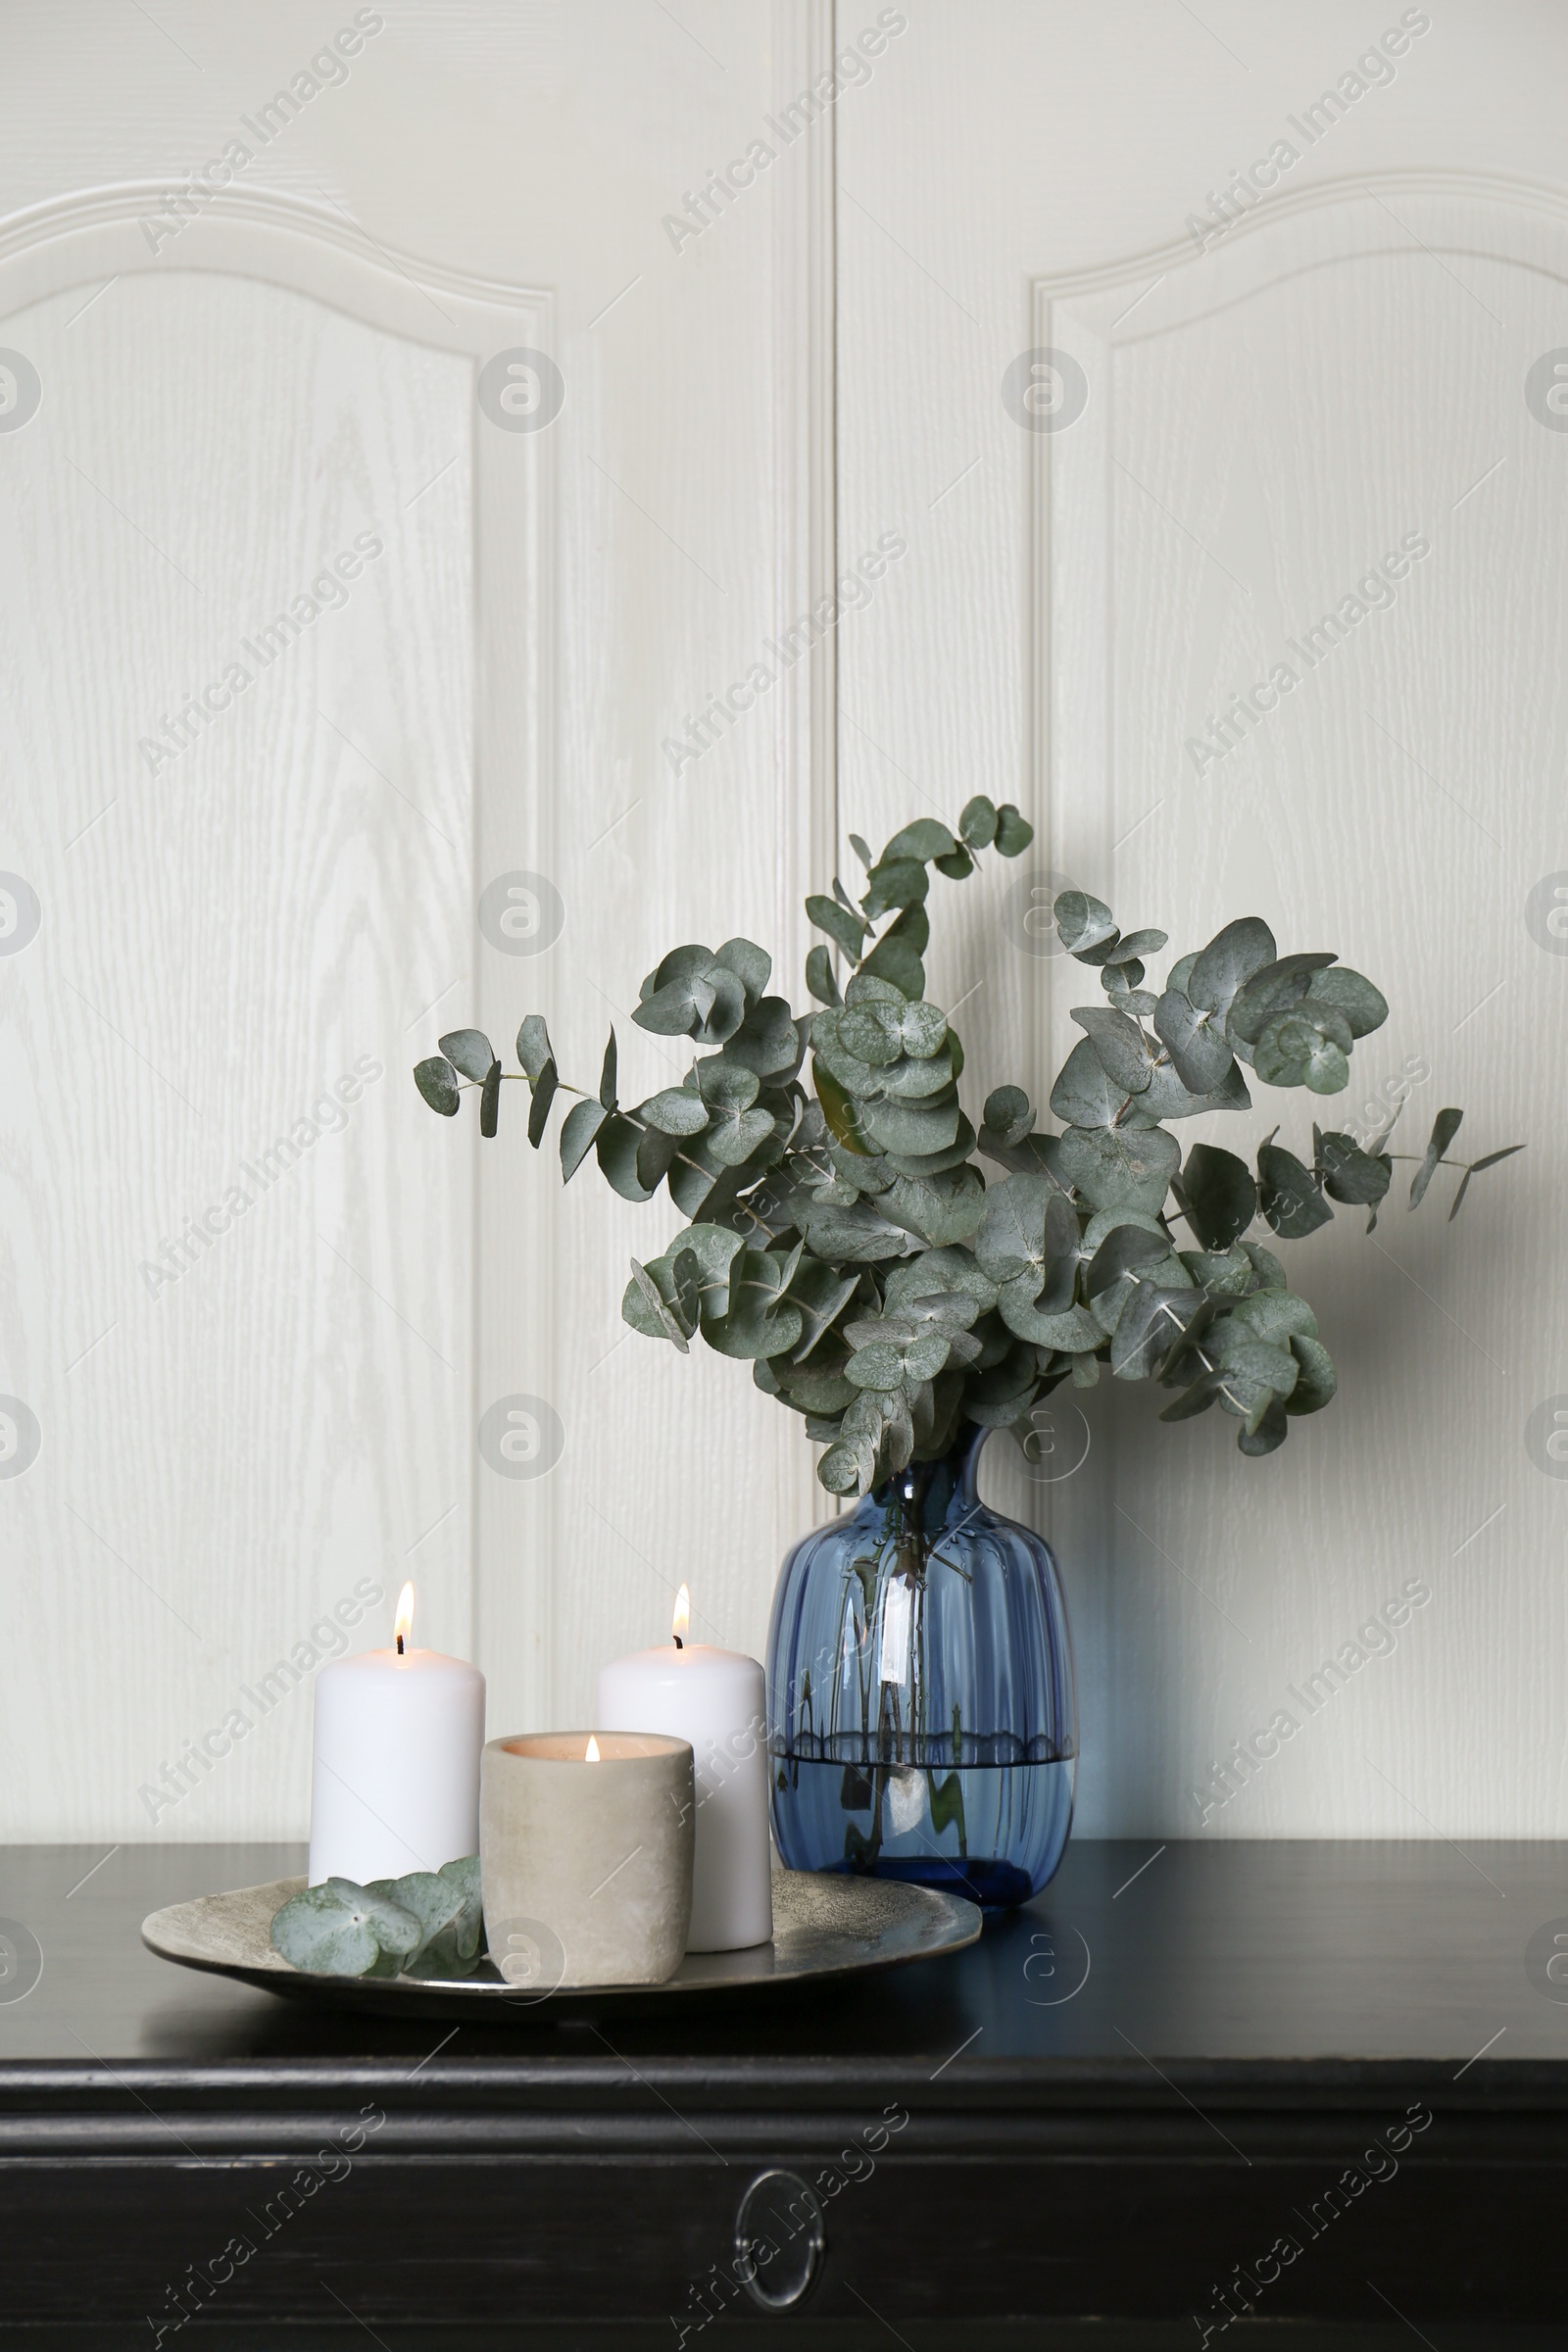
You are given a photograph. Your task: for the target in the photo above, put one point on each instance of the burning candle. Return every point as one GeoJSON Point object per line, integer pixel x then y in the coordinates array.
{"type": "Point", "coordinates": [715, 1700]}
{"type": "Point", "coordinates": [585, 1849]}
{"type": "Point", "coordinates": [395, 1783]}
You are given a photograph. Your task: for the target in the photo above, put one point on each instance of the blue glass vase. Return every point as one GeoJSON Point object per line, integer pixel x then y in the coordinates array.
{"type": "Point", "coordinates": [922, 1722]}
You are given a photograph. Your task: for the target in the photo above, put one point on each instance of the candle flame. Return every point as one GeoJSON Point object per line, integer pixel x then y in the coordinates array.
{"type": "Point", "coordinates": [403, 1623]}
{"type": "Point", "coordinates": [681, 1622]}
{"type": "Point", "coordinates": [592, 1756]}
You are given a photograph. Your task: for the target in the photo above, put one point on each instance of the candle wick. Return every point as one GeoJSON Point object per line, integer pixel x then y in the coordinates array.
{"type": "Point", "coordinates": [400, 1646]}
{"type": "Point", "coordinates": [679, 1643]}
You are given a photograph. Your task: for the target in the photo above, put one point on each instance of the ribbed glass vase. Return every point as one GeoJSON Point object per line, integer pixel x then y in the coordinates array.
{"type": "Point", "coordinates": [922, 1722]}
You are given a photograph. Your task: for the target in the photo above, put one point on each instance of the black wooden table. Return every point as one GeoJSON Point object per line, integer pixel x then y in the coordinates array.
{"type": "Point", "coordinates": [1313, 2093]}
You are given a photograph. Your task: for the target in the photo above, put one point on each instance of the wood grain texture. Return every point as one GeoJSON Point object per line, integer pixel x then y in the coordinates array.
{"type": "Point", "coordinates": [1264, 420]}
{"type": "Point", "coordinates": [225, 407]}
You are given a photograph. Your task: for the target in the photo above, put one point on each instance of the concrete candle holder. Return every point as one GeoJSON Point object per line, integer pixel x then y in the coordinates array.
{"type": "Point", "coordinates": [586, 1841]}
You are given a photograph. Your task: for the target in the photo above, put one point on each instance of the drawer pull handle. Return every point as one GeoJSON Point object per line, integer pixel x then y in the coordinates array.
{"type": "Point", "coordinates": [779, 2240]}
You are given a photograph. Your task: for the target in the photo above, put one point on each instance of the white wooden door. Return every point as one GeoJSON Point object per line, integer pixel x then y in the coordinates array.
{"type": "Point", "coordinates": [1143, 424]}
{"type": "Point", "coordinates": [383, 478]}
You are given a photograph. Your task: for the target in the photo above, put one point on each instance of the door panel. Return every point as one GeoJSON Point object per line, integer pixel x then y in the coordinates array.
{"type": "Point", "coordinates": [1260, 415]}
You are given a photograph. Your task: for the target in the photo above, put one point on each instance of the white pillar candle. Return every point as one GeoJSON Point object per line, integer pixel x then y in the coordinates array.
{"type": "Point", "coordinates": [716, 1699]}
{"type": "Point", "coordinates": [395, 1784]}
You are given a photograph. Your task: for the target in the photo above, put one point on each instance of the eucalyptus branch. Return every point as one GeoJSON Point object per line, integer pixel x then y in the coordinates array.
{"type": "Point", "coordinates": [841, 1236]}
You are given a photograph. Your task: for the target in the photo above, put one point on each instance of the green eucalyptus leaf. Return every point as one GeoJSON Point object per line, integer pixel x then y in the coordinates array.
{"type": "Point", "coordinates": [821, 1294]}
{"type": "Point", "coordinates": [1351, 994]}
{"type": "Point", "coordinates": [1268, 1434]}
{"type": "Point", "coordinates": [767, 1041]}
{"type": "Point", "coordinates": [925, 838]}
{"type": "Point", "coordinates": [1120, 1167]}
{"type": "Point", "coordinates": [1273, 989]}
{"type": "Point", "coordinates": [1315, 1379]}
{"type": "Point", "coordinates": [735, 1135]}
{"type": "Point", "coordinates": [543, 1091]}
{"type": "Point", "coordinates": [948, 1270]}
{"type": "Point", "coordinates": [819, 977]}
{"type": "Point", "coordinates": [1266, 1267]}
{"type": "Point", "coordinates": [471, 1052]}
{"type": "Point", "coordinates": [679, 996]}
{"type": "Point", "coordinates": [942, 1208]}
{"type": "Point", "coordinates": [1082, 922]}
{"type": "Point", "coordinates": [1226, 964]}
{"type": "Point", "coordinates": [1445, 1127]}
{"type": "Point", "coordinates": [579, 1129]}
{"type": "Point", "coordinates": [676, 1111]}
{"type": "Point", "coordinates": [342, 1930]}
{"type": "Point", "coordinates": [1275, 1316]}
{"type": "Point", "coordinates": [1288, 1195]}
{"type": "Point", "coordinates": [437, 1082]}
{"type": "Point", "coordinates": [870, 1033]}
{"type": "Point", "coordinates": [1124, 1248]}
{"type": "Point", "coordinates": [490, 1100]}
{"type": "Point", "coordinates": [658, 1319]}
{"type": "Point", "coordinates": [1029, 1230]}
{"type": "Point", "coordinates": [1351, 1174]}
{"type": "Point", "coordinates": [656, 1155]}
{"type": "Point", "coordinates": [1119, 1045]}
{"type": "Point", "coordinates": [915, 1128]}
{"type": "Point", "coordinates": [727, 1012]}
{"type": "Point", "coordinates": [843, 925]}
{"type": "Point", "coordinates": [853, 1236]}
{"type": "Point", "coordinates": [1009, 1114]}
{"type": "Point", "coordinates": [616, 1145]}
{"type": "Point", "coordinates": [957, 867]}
{"type": "Point", "coordinates": [752, 965]}
{"type": "Point", "coordinates": [977, 825]}
{"type": "Point", "coordinates": [1488, 1160]}
{"type": "Point", "coordinates": [533, 1046]}
{"type": "Point", "coordinates": [879, 1366]}
{"type": "Point", "coordinates": [1014, 833]}
{"type": "Point", "coordinates": [1153, 1321]}
{"type": "Point", "coordinates": [726, 1086]}
{"type": "Point", "coordinates": [1198, 1047]}
{"type": "Point", "coordinates": [1085, 1095]}
{"type": "Point", "coordinates": [1216, 1194]}
{"type": "Point", "coordinates": [895, 882]}
{"type": "Point", "coordinates": [1165, 1097]}
{"type": "Point", "coordinates": [607, 1075]}
{"type": "Point", "coordinates": [1141, 943]}
{"type": "Point", "coordinates": [895, 958]}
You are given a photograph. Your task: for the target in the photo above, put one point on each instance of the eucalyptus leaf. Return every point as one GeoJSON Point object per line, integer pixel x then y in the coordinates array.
{"type": "Point", "coordinates": [577, 1132]}
{"type": "Point", "coordinates": [1118, 1167]}
{"type": "Point", "coordinates": [977, 824]}
{"type": "Point", "coordinates": [543, 1093]}
{"type": "Point", "coordinates": [1218, 1195]}
{"type": "Point", "coordinates": [1082, 921]}
{"type": "Point", "coordinates": [1119, 1044]}
{"type": "Point", "coordinates": [471, 1052]}
{"type": "Point", "coordinates": [437, 1082]}
{"type": "Point", "coordinates": [1288, 1195]}
{"type": "Point", "coordinates": [819, 977]}
{"type": "Point", "coordinates": [1229, 960]}
{"type": "Point", "coordinates": [533, 1046]}
{"type": "Point", "coordinates": [843, 925]}
{"type": "Point", "coordinates": [1445, 1127]}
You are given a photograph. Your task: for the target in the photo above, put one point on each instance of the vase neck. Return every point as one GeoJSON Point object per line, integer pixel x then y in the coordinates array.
{"type": "Point", "coordinates": [933, 1495]}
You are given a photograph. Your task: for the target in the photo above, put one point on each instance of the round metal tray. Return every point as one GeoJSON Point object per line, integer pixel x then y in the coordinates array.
{"type": "Point", "coordinates": [824, 1925]}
